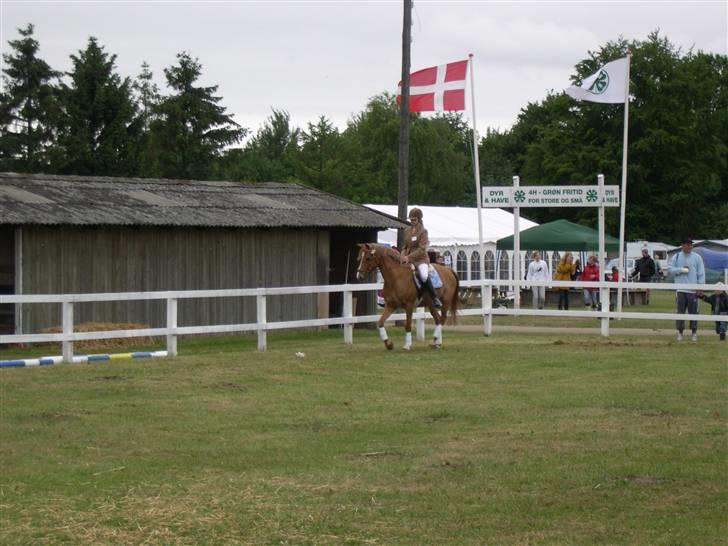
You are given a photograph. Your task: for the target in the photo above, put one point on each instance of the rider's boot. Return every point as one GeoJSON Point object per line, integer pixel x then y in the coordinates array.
{"type": "Point", "coordinates": [433, 295]}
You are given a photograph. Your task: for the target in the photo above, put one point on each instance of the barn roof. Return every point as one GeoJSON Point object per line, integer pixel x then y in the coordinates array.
{"type": "Point", "coordinates": [96, 200]}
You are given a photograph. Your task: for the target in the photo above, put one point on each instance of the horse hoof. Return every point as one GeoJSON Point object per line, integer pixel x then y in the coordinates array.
{"type": "Point", "coordinates": [389, 345]}
{"type": "Point", "coordinates": [435, 345]}
{"type": "Point", "coordinates": [407, 347]}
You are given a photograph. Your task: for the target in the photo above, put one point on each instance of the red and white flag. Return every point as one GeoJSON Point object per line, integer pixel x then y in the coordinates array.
{"type": "Point", "coordinates": [437, 88]}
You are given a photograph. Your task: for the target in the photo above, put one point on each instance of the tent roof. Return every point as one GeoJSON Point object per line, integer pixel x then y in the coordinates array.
{"type": "Point", "coordinates": [560, 235]}
{"type": "Point", "coordinates": [447, 226]}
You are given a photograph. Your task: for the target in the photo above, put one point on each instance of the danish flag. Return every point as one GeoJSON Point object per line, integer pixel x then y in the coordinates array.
{"type": "Point", "coordinates": [437, 88]}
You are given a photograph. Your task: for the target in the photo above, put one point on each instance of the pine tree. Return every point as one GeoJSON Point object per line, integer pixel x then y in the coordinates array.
{"type": "Point", "coordinates": [100, 129]}
{"type": "Point", "coordinates": [192, 129]}
{"type": "Point", "coordinates": [28, 107]}
{"type": "Point", "coordinates": [148, 99]}
{"type": "Point", "coordinates": [147, 95]}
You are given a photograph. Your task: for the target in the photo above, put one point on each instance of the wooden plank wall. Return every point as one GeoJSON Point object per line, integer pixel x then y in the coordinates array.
{"type": "Point", "coordinates": [7, 277]}
{"type": "Point", "coordinates": [59, 260]}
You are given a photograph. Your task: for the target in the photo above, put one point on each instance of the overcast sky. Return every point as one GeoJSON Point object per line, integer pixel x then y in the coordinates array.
{"type": "Point", "coordinates": [328, 58]}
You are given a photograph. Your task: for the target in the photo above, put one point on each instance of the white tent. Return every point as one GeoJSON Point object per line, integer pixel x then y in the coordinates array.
{"type": "Point", "coordinates": [457, 226]}
{"type": "Point", "coordinates": [453, 231]}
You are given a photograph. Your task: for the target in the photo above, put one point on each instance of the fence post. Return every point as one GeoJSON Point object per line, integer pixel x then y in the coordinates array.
{"type": "Point", "coordinates": [420, 324]}
{"type": "Point", "coordinates": [604, 304]}
{"type": "Point", "coordinates": [348, 314]}
{"type": "Point", "coordinates": [262, 333]}
{"type": "Point", "coordinates": [171, 325]}
{"type": "Point", "coordinates": [486, 305]}
{"type": "Point", "coordinates": [67, 324]}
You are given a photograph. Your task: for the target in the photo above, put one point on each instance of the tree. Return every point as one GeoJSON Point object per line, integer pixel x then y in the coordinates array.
{"type": "Point", "coordinates": [147, 95]}
{"type": "Point", "coordinates": [99, 132]}
{"type": "Point", "coordinates": [678, 130]}
{"type": "Point", "coordinates": [148, 99]}
{"type": "Point", "coordinates": [320, 162]}
{"type": "Point", "coordinates": [28, 107]}
{"type": "Point", "coordinates": [192, 129]}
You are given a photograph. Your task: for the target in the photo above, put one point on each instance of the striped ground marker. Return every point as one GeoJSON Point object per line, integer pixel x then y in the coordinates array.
{"type": "Point", "coordinates": [48, 360]}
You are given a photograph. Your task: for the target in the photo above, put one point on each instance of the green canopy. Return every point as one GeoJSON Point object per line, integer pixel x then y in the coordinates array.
{"type": "Point", "coordinates": [559, 235]}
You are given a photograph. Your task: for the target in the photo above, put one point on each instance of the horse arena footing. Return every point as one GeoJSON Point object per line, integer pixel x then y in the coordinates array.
{"type": "Point", "coordinates": [48, 360]}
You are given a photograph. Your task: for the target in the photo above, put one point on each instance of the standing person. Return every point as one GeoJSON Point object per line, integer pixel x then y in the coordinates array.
{"type": "Point", "coordinates": [613, 291]}
{"type": "Point", "coordinates": [538, 270]}
{"type": "Point", "coordinates": [591, 274]}
{"type": "Point", "coordinates": [644, 270]}
{"type": "Point", "coordinates": [688, 268]}
{"type": "Point", "coordinates": [577, 270]}
{"type": "Point", "coordinates": [719, 306]}
{"type": "Point", "coordinates": [414, 251]}
{"type": "Point", "coordinates": [564, 271]}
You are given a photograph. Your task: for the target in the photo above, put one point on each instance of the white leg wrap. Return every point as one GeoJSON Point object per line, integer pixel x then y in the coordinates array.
{"type": "Point", "coordinates": [383, 334]}
{"type": "Point", "coordinates": [437, 333]}
{"type": "Point", "coordinates": [407, 340]}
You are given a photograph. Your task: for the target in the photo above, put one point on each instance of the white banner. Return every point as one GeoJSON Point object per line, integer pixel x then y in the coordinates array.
{"type": "Point", "coordinates": [550, 196]}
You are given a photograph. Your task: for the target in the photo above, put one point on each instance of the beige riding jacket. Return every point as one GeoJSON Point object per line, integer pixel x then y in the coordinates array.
{"type": "Point", "coordinates": [415, 245]}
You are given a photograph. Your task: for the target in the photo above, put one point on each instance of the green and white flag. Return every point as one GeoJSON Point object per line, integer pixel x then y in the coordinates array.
{"type": "Point", "coordinates": [606, 85]}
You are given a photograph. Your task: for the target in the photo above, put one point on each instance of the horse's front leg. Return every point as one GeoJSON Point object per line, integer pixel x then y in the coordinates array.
{"type": "Point", "coordinates": [382, 330]}
{"type": "Point", "coordinates": [408, 327]}
{"type": "Point", "coordinates": [436, 342]}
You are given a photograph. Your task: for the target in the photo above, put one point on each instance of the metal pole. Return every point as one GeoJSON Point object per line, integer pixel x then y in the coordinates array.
{"type": "Point", "coordinates": [476, 169]}
{"type": "Point", "coordinates": [603, 293]}
{"type": "Point", "coordinates": [516, 248]}
{"type": "Point", "coordinates": [623, 204]}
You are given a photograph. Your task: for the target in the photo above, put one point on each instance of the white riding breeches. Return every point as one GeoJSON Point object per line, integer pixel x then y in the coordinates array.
{"type": "Point", "coordinates": [423, 270]}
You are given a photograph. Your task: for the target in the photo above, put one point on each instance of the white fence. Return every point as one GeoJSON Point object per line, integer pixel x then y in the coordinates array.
{"type": "Point", "coordinates": [67, 337]}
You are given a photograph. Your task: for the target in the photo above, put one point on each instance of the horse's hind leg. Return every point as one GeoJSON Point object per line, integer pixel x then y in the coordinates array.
{"type": "Point", "coordinates": [382, 330]}
{"type": "Point", "coordinates": [408, 329]}
{"type": "Point", "coordinates": [436, 342]}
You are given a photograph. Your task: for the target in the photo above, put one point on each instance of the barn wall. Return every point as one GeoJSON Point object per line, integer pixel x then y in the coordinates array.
{"type": "Point", "coordinates": [7, 277]}
{"type": "Point", "coordinates": [60, 260]}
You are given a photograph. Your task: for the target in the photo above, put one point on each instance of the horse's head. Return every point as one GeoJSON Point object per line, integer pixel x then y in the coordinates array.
{"type": "Point", "coordinates": [367, 260]}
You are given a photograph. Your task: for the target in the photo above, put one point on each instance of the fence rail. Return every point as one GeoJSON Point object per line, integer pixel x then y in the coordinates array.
{"type": "Point", "coordinates": [67, 337]}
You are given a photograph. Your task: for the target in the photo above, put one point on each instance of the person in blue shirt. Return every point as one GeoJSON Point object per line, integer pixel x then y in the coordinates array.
{"type": "Point", "coordinates": [687, 268]}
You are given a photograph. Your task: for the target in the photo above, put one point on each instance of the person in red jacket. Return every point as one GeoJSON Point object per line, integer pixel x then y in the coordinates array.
{"type": "Point", "coordinates": [591, 273]}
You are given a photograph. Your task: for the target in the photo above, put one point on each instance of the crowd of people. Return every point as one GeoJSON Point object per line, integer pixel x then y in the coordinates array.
{"type": "Point", "coordinates": [685, 268]}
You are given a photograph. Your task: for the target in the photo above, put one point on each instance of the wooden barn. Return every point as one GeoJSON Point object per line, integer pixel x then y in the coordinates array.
{"type": "Point", "coordinates": [74, 234]}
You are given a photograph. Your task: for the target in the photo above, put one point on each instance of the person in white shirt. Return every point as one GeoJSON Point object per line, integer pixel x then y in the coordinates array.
{"type": "Point", "coordinates": [538, 270]}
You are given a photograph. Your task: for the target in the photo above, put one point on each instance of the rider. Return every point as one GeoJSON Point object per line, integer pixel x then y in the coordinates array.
{"type": "Point", "coordinates": [414, 251]}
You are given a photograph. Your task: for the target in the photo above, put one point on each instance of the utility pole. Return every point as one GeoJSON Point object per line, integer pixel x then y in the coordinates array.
{"type": "Point", "coordinates": [403, 174]}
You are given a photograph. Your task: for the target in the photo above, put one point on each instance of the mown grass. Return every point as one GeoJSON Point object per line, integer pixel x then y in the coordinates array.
{"type": "Point", "coordinates": [538, 439]}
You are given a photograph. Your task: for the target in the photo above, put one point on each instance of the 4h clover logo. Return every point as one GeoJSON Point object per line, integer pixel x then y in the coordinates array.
{"type": "Point", "coordinates": [591, 196]}
{"type": "Point", "coordinates": [600, 84]}
{"type": "Point", "coordinates": [519, 196]}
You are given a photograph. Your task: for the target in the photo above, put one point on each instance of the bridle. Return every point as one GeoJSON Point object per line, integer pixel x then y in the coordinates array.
{"type": "Point", "coordinates": [361, 273]}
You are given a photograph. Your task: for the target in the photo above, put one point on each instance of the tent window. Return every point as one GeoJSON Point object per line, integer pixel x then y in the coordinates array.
{"type": "Point", "coordinates": [475, 266]}
{"type": "Point", "coordinates": [489, 265]}
{"type": "Point", "coordinates": [447, 258]}
{"type": "Point", "coordinates": [555, 257]}
{"type": "Point", "coordinates": [462, 265]}
{"type": "Point", "coordinates": [504, 267]}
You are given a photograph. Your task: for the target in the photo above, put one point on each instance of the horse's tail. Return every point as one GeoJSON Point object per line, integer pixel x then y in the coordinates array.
{"type": "Point", "coordinates": [455, 300]}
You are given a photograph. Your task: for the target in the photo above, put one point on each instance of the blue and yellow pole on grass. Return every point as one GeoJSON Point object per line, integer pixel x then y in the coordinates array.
{"type": "Point", "coordinates": [48, 360]}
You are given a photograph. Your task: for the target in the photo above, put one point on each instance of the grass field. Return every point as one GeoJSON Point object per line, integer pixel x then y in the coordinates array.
{"type": "Point", "coordinates": [512, 439]}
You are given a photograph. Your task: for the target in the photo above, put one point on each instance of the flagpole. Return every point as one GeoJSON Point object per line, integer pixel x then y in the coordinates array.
{"type": "Point", "coordinates": [476, 169]}
{"type": "Point", "coordinates": [623, 208]}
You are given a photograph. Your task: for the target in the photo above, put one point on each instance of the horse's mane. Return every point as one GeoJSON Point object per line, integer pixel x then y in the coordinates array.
{"type": "Point", "coordinates": [386, 251]}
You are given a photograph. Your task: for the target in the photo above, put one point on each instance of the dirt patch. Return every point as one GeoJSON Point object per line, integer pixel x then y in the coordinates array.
{"type": "Point", "coordinates": [101, 327]}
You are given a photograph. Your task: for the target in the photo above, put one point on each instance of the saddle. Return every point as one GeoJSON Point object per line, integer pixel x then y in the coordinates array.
{"type": "Point", "coordinates": [434, 279]}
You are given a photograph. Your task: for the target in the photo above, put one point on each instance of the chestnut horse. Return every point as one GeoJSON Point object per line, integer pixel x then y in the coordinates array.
{"type": "Point", "coordinates": [400, 291]}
